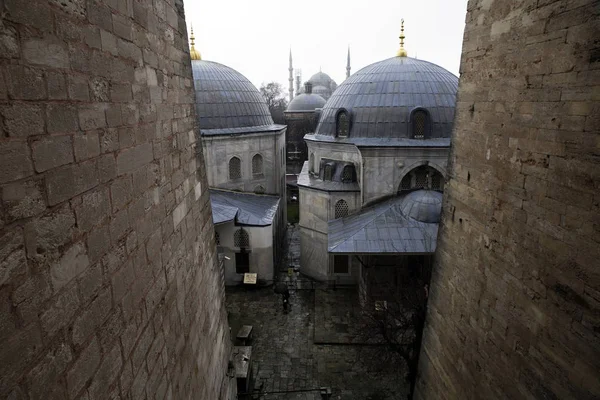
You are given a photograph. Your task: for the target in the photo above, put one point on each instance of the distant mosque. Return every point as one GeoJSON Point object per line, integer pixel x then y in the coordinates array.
{"type": "Point", "coordinates": [322, 84]}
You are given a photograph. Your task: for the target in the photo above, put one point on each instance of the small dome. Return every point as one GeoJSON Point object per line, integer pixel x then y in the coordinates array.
{"type": "Point", "coordinates": [382, 96]}
{"type": "Point", "coordinates": [306, 102]}
{"type": "Point", "coordinates": [226, 99]}
{"type": "Point", "coordinates": [423, 206]}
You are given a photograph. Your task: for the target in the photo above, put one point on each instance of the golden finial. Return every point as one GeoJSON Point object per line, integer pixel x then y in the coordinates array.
{"type": "Point", "coordinates": [401, 51]}
{"type": "Point", "coordinates": [194, 54]}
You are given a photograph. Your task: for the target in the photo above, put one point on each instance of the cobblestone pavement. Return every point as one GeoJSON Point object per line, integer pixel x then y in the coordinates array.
{"type": "Point", "coordinates": [288, 358]}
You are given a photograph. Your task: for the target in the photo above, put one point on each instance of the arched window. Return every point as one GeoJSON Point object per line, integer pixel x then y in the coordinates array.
{"type": "Point", "coordinates": [241, 238]}
{"type": "Point", "coordinates": [341, 209]}
{"type": "Point", "coordinates": [327, 172]}
{"type": "Point", "coordinates": [420, 124]}
{"type": "Point", "coordinates": [423, 177]}
{"type": "Point", "coordinates": [259, 189]}
{"type": "Point", "coordinates": [348, 174]}
{"type": "Point", "coordinates": [257, 165]}
{"type": "Point", "coordinates": [235, 168]}
{"type": "Point", "coordinates": [342, 124]}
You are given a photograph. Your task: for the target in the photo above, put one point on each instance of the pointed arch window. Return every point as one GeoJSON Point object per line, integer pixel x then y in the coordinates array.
{"type": "Point", "coordinates": [349, 174]}
{"type": "Point", "coordinates": [311, 163]}
{"type": "Point", "coordinates": [241, 238]}
{"type": "Point", "coordinates": [420, 124]}
{"type": "Point", "coordinates": [259, 189]}
{"type": "Point", "coordinates": [341, 209]}
{"type": "Point", "coordinates": [423, 177]}
{"type": "Point", "coordinates": [257, 165]}
{"type": "Point", "coordinates": [327, 172]}
{"type": "Point", "coordinates": [235, 168]}
{"type": "Point", "coordinates": [342, 123]}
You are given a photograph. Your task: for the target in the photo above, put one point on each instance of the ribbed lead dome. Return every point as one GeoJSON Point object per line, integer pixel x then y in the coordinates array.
{"type": "Point", "coordinates": [423, 206]}
{"type": "Point", "coordinates": [226, 99]}
{"type": "Point", "coordinates": [381, 96]}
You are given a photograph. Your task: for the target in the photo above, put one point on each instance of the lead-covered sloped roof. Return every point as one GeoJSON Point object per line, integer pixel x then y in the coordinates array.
{"type": "Point", "coordinates": [244, 208]}
{"type": "Point", "coordinates": [385, 228]}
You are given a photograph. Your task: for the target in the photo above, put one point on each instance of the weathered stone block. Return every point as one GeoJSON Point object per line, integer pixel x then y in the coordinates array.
{"type": "Point", "coordinates": [121, 192]}
{"type": "Point", "coordinates": [23, 199]}
{"type": "Point", "coordinates": [92, 117]}
{"type": "Point", "coordinates": [15, 162]}
{"type": "Point", "coordinates": [94, 316]}
{"type": "Point", "coordinates": [60, 311]}
{"type": "Point", "coordinates": [71, 180]}
{"type": "Point", "coordinates": [120, 93]}
{"type": "Point", "coordinates": [106, 374]}
{"type": "Point", "coordinates": [131, 159]}
{"type": "Point", "coordinates": [78, 88]}
{"type": "Point", "coordinates": [22, 120]}
{"type": "Point", "coordinates": [57, 86]}
{"type": "Point", "coordinates": [25, 83]}
{"type": "Point", "coordinates": [86, 146]}
{"type": "Point", "coordinates": [122, 27]}
{"type": "Point", "coordinates": [93, 209]}
{"type": "Point", "coordinates": [51, 152]}
{"type": "Point", "coordinates": [84, 368]}
{"type": "Point", "coordinates": [9, 42]}
{"type": "Point", "coordinates": [109, 42]}
{"type": "Point", "coordinates": [98, 242]}
{"type": "Point", "coordinates": [44, 376]}
{"type": "Point", "coordinates": [49, 52]}
{"type": "Point", "coordinates": [107, 167]}
{"type": "Point", "coordinates": [12, 256]}
{"type": "Point", "coordinates": [17, 352]}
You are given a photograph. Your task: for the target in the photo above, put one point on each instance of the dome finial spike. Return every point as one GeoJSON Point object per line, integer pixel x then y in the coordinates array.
{"type": "Point", "coordinates": [194, 54]}
{"type": "Point", "coordinates": [401, 51]}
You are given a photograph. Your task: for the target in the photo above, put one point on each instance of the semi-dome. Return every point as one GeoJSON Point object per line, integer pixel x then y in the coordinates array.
{"type": "Point", "coordinates": [423, 206]}
{"type": "Point", "coordinates": [225, 99]}
{"type": "Point", "coordinates": [381, 98]}
{"type": "Point", "coordinates": [308, 101]}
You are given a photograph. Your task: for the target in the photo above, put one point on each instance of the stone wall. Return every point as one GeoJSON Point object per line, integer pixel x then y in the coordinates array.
{"type": "Point", "coordinates": [514, 308]}
{"type": "Point", "coordinates": [109, 286]}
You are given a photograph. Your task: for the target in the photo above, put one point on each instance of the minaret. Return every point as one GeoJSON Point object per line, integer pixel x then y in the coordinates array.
{"type": "Point", "coordinates": [348, 64]}
{"type": "Point", "coordinates": [401, 51]}
{"type": "Point", "coordinates": [194, 54]}
{"type": "Point", "coordinates": [291, 78]}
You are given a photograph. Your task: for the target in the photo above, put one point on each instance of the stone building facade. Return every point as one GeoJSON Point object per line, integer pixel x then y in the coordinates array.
{"type": "Point", "coordinates": [109, 281]}
{"type": "Point", "coordinates": [515, 297]}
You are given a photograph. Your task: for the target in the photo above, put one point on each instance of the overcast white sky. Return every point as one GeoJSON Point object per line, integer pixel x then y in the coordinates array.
{"type": "Point", "coordinates": [254, 36]}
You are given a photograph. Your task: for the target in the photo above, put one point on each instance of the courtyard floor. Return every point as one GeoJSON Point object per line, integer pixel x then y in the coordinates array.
{"type": "Point", "coordinates": [311, 346]}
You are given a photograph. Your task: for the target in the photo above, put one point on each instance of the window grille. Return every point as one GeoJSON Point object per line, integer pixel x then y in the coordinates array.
{"type": "Point", "coordinates": [419, 124]}
{"type": "Point", "coordinates": [327, 173]}
{"type": "Point", "coordinates": [341, 209]}
{"type": "Point", "coordinates": [406, 183]}
{"type": "Point", "coordinates": [343, 124]}
{"type": "Point", "coordinates": [421, 178]}
{"type": "Point", "coordinates": [257, 165]}
{"type": "Point", "coordinates": [218, 238]}
{"type": "Point", "coordinates": [235, 168]}
{"type": "Point", "coordinates": [259, 189]}
{"type": "Point", "coordinates": [348, 174]}
{"type": "Point", "coordinates": [241, 238]}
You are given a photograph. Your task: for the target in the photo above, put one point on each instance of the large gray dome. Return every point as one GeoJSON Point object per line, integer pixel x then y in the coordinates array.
{"type": "Point", "coordinates": [322, 79]}
{"type": "Point", "coordinates": [381, 96]}
{"type": "Point", "coordinates": [306, 102]}
{"type": "Point", "coordinates": [423, 206]}
{"type": "Point", "coordinates": [226, 99]}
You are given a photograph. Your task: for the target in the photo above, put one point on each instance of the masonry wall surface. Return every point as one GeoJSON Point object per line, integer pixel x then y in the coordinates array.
{"type": "Point", "coordinates": [514, 309]}
{"type": "Point", "coordinates": [109, 284]}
